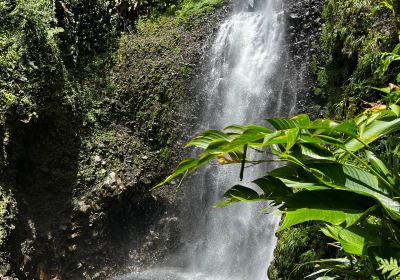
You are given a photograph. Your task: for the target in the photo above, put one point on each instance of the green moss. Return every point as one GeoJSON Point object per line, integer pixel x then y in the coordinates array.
{"type": "Point", "coordinates": [165, 153]}
{"type": "Point", "coordinates": [152, 73]}
{"type": "Point", "coordinates": [195, 7]}
{"type": "Point", "coordinates": [178, 12]}
{"type": "Point", "coordinates": [134, 128]}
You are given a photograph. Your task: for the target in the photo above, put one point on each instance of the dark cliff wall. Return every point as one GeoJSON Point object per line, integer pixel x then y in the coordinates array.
{"type": "Point", "coordinates": [91, 119]}
{"type": "Point", "coordinates": [303, 28]}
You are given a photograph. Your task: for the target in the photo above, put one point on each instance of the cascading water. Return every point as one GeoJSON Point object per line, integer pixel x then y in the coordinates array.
{"type": "Point", "coordinates": [243, 84]}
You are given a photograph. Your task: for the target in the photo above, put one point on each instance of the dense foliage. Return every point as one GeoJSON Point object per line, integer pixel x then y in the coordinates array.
{"type": "Point", "coordinates": [356, 59]}
{"type": "Point", "coordinates": [331, 175]}
{"type": "Point", "coordinates": [63, 68]}
{"type": "Point", "coordinates": [355, 36]}
{"type": "Point", "coordinates": [28, 55]}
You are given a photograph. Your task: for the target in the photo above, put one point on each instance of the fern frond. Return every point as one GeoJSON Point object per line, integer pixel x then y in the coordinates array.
{"type": "Point", "coordinates": [389, 268]}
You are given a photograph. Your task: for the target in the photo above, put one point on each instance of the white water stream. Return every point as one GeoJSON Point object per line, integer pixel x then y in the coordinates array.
{"type": "Point", "coordinates": [243, 85]}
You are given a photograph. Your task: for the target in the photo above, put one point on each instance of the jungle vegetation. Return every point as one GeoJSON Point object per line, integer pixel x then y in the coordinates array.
{"type": "Point", "coordinates": [54, 61]}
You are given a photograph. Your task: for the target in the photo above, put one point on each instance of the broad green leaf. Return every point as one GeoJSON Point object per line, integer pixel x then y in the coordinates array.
{"type": "Point", "coordinates": [282, 123]}
{"type": "Point", "coordinates": [354, 179]}
{"type": "Point", "coordinates": [396, 49]}
{"type": "Point", "coordinates": [332, 206]}
{"type": "Point", "coordinates": [240, 193]}
{"type": "Point", "coordinates": [269, 138]}
{"type": "Point", "coordinates": [303, 120]}
{"type": "Point", "coordinates": [239, 129]}
{"type": "Point", "coordinates": [322, 124]}
{"type": "Point", "coordinates": [314, 151]}
{"type": "Point", "coordinates": [235, 129]}
{"type": "Point", "coordinates": [348, 127]}
{"type": "Point", "coordinates": [257, 128]}
{"type": "Point", "coordinates": [372, 128]}
{"type": "Point", "coordinates": [217, 147]}
{"type": "Point", "coordinates": [273, 188]}
{"type": "Point", "coordinates": [208, 136]}
{"type": "Point", "coordinates": [380, 167]}
{"type": "Point", "coordinates": [300, 121]}
{"type": "Point", "coordinates": [354, 240]}
{"type": "Point", "coordinates": [291, 135]}
{"type": "Point", "coordinates": [335, 217]}
{"type": "Point", "coordinates": [396, 109]}
{"type": "Point", "coordinates": [293, 159]}
{"type": "Point", "coordinates": [372, 132]}
{"type": "Point", "coordinates": [248, 137]}
{"type": "Point", "coordinates": [188, 165]}
{"type": "Point", "coordinates": [296, 177]}
{"type": "Point", "coordinates": [321, 139]}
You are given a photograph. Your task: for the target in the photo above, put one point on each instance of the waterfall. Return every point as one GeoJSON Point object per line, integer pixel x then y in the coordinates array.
{"type": "Point", "coordinates": [243, 83]}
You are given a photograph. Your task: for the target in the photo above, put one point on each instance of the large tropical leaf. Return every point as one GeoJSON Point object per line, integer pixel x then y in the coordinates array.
{"type": "Point", "coordinates": [297, 178]}
{"type": "Point", "coordinates": [380, 167]}
{"type": "Point", "coordinates": [359, 203]}
{"type": "Point", "coordinates": [186, 166]}
{"type": "Point", "coordinates": [332, 206]}
{"type": "Point", "coordinates": [240, 193]}
{"type": "Point", "coordinates": [355, 179]}
{"type": "Point", "coordinates": [239, 129]}
{"type": "Point", "coordinates": [248, 136]}
{"type": "Point", "coordinates": [208, 136]}
{"type": "Point", "coordinates": [273, 188]}
{"type": "Point", "coordinates": [355, 240]}
{"type": "Point", "coordinates": [314, 151]}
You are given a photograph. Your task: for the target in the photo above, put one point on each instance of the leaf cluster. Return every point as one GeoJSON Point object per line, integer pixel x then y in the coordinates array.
{"type": "Point", "coordinates": [331, 175]}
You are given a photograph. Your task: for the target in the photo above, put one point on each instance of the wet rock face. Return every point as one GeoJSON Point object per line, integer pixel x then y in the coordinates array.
{"type": "Point", "coordinates": [304, 25]}
{"type": "Point", "coordinates": [82, 191]}
{"type": "Point", "coordinates": [118, 225]}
